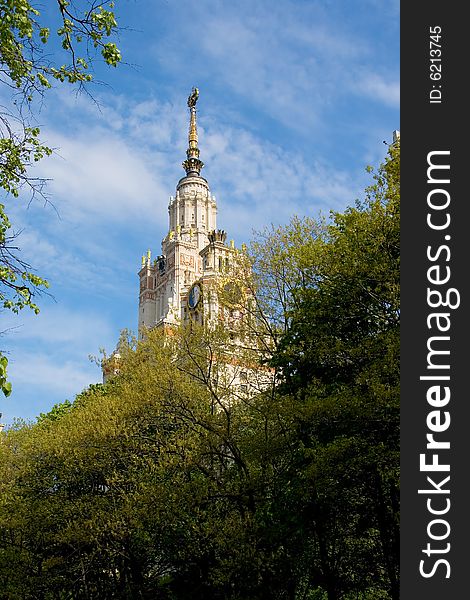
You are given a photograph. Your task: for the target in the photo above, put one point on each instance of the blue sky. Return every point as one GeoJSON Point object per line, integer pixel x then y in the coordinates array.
{"type": "Point", "coordinates": [296, 99]}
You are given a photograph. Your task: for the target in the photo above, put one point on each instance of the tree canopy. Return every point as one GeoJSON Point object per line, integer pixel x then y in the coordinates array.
{"type": "Point", "coordinates": [165, 484]}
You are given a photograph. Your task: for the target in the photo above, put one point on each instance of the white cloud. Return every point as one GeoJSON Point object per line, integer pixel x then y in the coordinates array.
{"type": "Point", "coordinates": [380, 89]}
{"type": "Point", "coordinates": [98, 174]}
{"type": "Point", "coordinates": [264, 183]}
{"type": "Point", "coordinates": [51, 375]}
{"type": "Point", "coordinates": [70, 257]}
{"type": "Point", "coordinates": [48, 354]}
{"type": "Point", "coordinates": [80, 330]}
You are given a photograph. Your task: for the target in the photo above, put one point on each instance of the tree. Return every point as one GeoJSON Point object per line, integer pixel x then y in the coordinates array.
{"type": "Point", "coordinates": [340, 361]}
{"type": "Point", "coordinates": [137, 489]}
{"type": "Point", "coordinates": [28, 68]}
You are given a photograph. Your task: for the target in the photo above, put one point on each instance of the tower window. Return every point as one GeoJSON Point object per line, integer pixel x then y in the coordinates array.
{"type": "Point", "coordinates": [220, 263]}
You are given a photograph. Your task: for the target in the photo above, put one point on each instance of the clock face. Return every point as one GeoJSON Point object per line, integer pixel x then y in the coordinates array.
{"type": "Point", "coordinates": [194, 295]}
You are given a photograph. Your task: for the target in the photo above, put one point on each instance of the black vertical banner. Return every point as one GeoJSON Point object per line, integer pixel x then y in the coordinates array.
{"type": "Point", "coordinates": [435, 361]}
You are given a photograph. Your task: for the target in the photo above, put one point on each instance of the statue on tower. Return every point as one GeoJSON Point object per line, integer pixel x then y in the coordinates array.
{"type": "Point", "coordinates": [192, 98]}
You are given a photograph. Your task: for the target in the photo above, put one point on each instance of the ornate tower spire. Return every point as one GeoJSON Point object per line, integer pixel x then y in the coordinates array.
{"type": "Point", "coordinates": [192, 164]}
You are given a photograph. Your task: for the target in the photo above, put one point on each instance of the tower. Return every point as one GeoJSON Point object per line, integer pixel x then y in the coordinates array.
{"type": "Point", "coordinates": [200, 278]}
{"type": "Point", "coordinates": [193, 250]}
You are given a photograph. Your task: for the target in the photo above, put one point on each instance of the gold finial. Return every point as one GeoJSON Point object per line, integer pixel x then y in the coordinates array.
{"type": "Point", "coordinates": [243, 247]}
{"type": "Point", "coordinates": [192, 137]}
{"type": "Point", "coordinates": [192, 164]}
{"type": "Point", "coordinates": [171, 235]}
{"type": "Point", "coordinates": [149, 254]}
{"type": "Point", "coordinates": [232, 244]}
{"type": "Point", "coordinates": [143, 260]}
{"type": "Point", "coordinates": [178, 229]}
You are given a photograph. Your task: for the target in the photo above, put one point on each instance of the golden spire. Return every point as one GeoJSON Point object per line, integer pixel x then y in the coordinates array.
{"type": "Point", "coordinates": [192, 164]}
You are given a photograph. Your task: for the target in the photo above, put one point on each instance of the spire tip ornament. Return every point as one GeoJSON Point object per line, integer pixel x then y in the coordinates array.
{"type": "Point", "coordinates": [193, 96]}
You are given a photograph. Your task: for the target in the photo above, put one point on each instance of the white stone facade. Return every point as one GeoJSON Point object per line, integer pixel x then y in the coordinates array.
{"type": "Point", "coordinates": [192, 251]}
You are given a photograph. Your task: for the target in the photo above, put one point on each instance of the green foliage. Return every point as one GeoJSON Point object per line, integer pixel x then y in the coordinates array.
{"type": "Point", "coordinates": [340, 361]}
{"type": "Point", "coordinates": [23, 59]}
{"type": "Point", "coordinates": [18, 151]}
{"type": "Point", "coordinates": [284, 260]}
{"type": "Point", "coordinates": [349, 308]}
{"type": "Point", "coordinates": [5, 385]}
{"type": "Point", "coordinates": [56, 412]}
